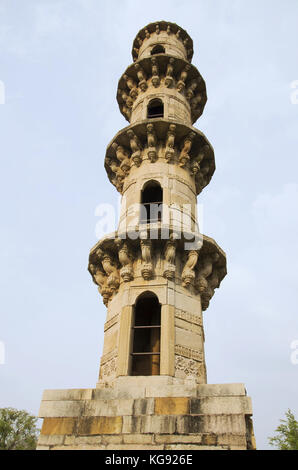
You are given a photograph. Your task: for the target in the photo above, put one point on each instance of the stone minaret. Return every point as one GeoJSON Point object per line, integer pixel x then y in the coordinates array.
{"type": "Point", "coordinates": [156, 274]}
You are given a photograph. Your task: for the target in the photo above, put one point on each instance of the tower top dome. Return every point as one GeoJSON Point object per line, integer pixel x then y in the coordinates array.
{"type": "Point", "coordinates": [162, 37]}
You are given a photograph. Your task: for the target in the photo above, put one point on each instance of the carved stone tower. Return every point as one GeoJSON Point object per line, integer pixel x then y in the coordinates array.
{"type": "Point", "coordinates": [156, 274]}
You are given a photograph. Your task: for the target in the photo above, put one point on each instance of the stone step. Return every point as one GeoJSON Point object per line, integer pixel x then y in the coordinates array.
{"type": "Point", "coordinates": [141, 387]}
{"type": "Point", "coordinates": [146, 406]}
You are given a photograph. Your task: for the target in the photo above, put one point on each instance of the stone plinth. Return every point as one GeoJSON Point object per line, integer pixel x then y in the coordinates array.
{"type": "Point", "coordinates": [159, 413]}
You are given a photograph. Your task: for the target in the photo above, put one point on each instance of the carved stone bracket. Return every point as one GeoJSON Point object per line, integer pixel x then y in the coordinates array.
{"type": "Point", "coordinates": [125, 258]}
{"type": "Point", "coordinates": [135, 147]}
{"type": "Point", "coordinates": [146, 250]}
{"type": "Point", "coordinates": [188, 273]}
{"type": "Point", "coordinates": [174, 143]}
{"type": "Point", "coordinates": [151, 142]}
{"type": "Point", "coordinates": [115, 260]}
{"type": "Point", "coordinates": [184, 157]}
{"type": "Point", "coordinates": [111, 271]}
{"type": "Point", "coordinates": [158, 71]}
{"type": "Point", "coordinates": [170, 152]}
{"type": "Point", "coordinates": [170, 256]}
{"type": "Point", "coordinates": [123, 157]}
{"type": "Point", "coordinates": [157, 28]}
{"type": "Point", "coordinates": [155, 72]}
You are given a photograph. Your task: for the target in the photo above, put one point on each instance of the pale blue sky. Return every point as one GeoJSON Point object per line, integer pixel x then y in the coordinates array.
{"type": "Point", "coordinates": [60, 62]}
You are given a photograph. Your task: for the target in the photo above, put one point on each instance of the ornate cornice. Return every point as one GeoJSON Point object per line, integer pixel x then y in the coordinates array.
{"type": "Point", "coordinates": [115, 260]}
{"type": "Point", "coordinates": [155, 28]}
{"type": "Point", "coordinates": [157, 72]}
{"type": "Point", "coordinates": [174, 143]}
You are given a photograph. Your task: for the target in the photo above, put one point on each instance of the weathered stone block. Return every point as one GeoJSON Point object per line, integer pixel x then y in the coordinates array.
{"type": "Point", "coordinates": [108, 439]}
{"type": "Point", "coordinates": [232, 440]}
{"type": "Point", "coordinates": [138, 439]}
{"type": "Point", "coordinates": [178, 439]}
{"type": "Point", "coordinates": [171, 406]}
{"type": "Point", "coordinates": [222, 390]}
{"type": "Point", "coordinates": [68, 394]}
{"type": "Point", "coordinates": [100, 425]}
{"type": "Point", "coordinates": [82, 440]}
{"type": "Point", "coordinates": [108, 407]}
{"type": "Point", "coordinates": [58, 426]}
{"type": "Point", "coordinates": [187, 303]}
{"type": "Point", "coordinates": [211, 424]}
{"type": "Point", "coordinates": [193, 447]}
{"type": "Point", "coordinates": [189, 339]}
{"type": "Point", "coordinates": [185, 325]}
{"type": "Point", "coordinates": [171, 391]}
{"type": "Point", "coordinates": [143, 406]}
{"type": "Point", "coordinates": [79, 447]}
{"type": "Point", "coordinates": [60, 409]}
{"type": "Point", "coordinates": [50, 440]}
{"type": "Point", "coordinates": [220, 405]}
{"type": "Point", "coordinates": [149, 424]}
{"type": "Point", "coordinates": [133, 447]}
{"type": "Point", "coordinates": [209, 439]}
{"type": "Point", "coordinates": [125, 393]}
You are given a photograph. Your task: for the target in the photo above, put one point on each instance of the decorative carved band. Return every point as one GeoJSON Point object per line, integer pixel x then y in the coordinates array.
{"type": "Point", "coordinates": [188, 352]}
{"type": "Point", "coordinates": [108, 357]}
{"type": "Point", "coordinates": [108, 324]}
{"type": "Point", "coordinates": [189, 317]}
{"type": "Point", "coordinates": [189, 367]}
{"type": "Point", "coordinates": [108, 368]}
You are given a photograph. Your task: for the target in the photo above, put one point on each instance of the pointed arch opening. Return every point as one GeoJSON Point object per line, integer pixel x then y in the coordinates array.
{"type": "Point", "coordinates": [155, 109]}
{"type": "Point", "coordinates": [146, 335]}
{"type": "Point", "coordinates": [151, 202]}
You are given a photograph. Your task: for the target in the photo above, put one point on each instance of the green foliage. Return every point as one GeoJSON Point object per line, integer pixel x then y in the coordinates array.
{"type": "Point", "coordinates": [17, 430]}
{"type": "Point", "coordinates": [287, 438]}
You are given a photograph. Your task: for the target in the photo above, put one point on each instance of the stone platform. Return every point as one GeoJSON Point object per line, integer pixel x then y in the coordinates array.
{"type": "Point", "coordinates": [147, 413]}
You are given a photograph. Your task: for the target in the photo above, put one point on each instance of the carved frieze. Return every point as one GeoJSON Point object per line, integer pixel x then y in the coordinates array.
{"type": "Point", "coordinates": [188, 352]}
{"type": "Point", "coordinates": [189, 317]}
{"type": "Point", "coordinates": [108, 369]}
{"type": "Point", "coordinates": [186, 367]}
{"type": "Point", "coordinates": [108, 357]}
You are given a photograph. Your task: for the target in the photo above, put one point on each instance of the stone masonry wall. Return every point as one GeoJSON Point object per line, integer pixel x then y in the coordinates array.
{"type": "Point", "coordinates": [129, 416]}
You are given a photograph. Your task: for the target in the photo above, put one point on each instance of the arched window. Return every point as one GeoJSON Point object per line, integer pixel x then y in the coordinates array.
{"type": "Point", "coordinates": [146, 336]}
{"type": "Point", "coordinates": [155, 109]}
{"type": "Point", "coordinates": [158, 49]}
{"type": "Point", "coordinates": [151, 203]}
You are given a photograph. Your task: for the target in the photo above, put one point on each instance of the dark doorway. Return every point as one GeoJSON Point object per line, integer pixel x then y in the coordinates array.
{"type": "Point", "coordinates": [155, 109]}
{"type": "Point", "coordinates": [151, 203]}
{"type": "Point", "coordinates": [146, 336]}
{"type": "Point", "coordinates": [158, 49]}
